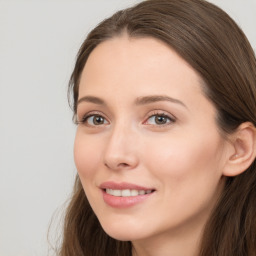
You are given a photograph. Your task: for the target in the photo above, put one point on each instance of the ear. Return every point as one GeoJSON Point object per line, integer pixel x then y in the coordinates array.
{"type": "Point", "coordinates": [243, 153]}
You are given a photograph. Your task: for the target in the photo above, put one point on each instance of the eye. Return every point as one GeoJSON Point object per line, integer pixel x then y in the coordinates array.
{"type": "Point", "coordinates": [94, 120]}
{"type": "Point", "coordinates": [159, 119]}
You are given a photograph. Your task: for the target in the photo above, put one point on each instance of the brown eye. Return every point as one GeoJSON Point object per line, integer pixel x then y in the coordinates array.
{"type": "Point", "coordinates": [160, 119]}
{"type": "Point", "coordinates": [94, 120]}
{"type": "Point", "coordinates": [97, 120]}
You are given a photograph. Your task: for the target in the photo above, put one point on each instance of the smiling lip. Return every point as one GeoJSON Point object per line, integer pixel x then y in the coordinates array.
{"type": "Point", "coordinates": [123, 195]}
{"type": "Point", "coordinates": [122, 185]}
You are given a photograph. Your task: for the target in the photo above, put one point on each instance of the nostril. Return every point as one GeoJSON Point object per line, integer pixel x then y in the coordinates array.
{"type": "Point", "coordinates": [118, 162]}
{"type": "Point", "coordinates": [124, 164]}
{"type": "Point", "coordinates": [118, 166]}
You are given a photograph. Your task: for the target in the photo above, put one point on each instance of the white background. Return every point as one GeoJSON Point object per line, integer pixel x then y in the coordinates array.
{"type": "Point", "coordinates": [38, 44]}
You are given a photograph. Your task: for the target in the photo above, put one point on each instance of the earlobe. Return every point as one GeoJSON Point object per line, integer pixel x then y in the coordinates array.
{"type": "Point", "coordinates": [243, 141]}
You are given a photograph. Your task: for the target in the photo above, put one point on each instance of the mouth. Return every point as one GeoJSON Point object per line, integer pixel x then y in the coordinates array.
{"type": "Point", "coordinates": [127, 192]}
{"type": "Point", "coordinates": [123, 195]}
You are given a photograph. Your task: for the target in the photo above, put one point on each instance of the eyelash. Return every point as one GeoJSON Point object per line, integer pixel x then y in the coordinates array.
{"type": "Point", "coordinates": [88, 115]}
{"type": "Point", "coordinates": [171, 119]}
{"type": "Point", "coordinates": [156, 113]}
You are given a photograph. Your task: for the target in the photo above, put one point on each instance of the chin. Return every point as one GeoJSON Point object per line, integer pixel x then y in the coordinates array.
{"type": "Point", "coordinates": [121, 236]}
{"type": "Point", "coordinates": [122, 232]}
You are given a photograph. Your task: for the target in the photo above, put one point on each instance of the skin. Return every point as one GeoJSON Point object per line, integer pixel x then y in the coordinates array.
{"type": "Point", "coordinates": [182, 159]}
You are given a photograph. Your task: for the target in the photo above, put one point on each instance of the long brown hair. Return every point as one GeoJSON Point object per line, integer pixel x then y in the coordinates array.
{"type": "Point", "coordinates": [210, 41]}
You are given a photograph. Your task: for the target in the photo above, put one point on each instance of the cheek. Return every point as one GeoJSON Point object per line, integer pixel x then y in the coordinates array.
{"type": "Point", "coordinates": [187, 173]}
{"type": "Point", "coordinates": [181, 157]}
{"type": "Point", "coordinates": [86, 155]}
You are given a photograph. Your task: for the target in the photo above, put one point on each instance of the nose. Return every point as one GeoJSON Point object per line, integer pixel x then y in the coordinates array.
{"type": "Point", "coordinates": [121, 150]}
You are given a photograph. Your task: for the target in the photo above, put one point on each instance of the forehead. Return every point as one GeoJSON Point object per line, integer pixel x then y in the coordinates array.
{"type": "Point", "coordinates": [148, 56]}
{"type": "Point", "coordinates": [137, 67]}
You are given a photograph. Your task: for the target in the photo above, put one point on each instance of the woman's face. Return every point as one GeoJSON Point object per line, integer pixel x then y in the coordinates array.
{"type": "Point", "coordinates": [147, 148]}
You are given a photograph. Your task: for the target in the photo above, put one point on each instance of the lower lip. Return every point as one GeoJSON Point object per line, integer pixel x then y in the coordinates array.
{"type": "Point", "coordinates": [124, 202]}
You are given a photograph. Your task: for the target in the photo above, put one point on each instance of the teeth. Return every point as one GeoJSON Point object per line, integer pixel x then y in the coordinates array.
{"type": "Point", "coordinates": [116, 192]}
{"type": "Point", "coordinates": [134, 192]}
{"type": "Point", "coordinates": [127, 192]}
{"type": "Point", "coordinates": [142, 192]}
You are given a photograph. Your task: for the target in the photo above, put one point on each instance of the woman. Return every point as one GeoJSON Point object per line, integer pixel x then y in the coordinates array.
{"type": "Point", "coordinates": [164, 95]}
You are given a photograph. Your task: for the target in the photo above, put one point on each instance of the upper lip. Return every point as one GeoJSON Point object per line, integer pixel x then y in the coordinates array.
{"type": "Point", "coordinates": [122, 185]}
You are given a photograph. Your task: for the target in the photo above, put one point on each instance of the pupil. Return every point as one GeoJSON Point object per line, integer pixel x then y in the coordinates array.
{"type": "Point", "coordinates": [98, 120]}
{"type": "Point", "coordinates": [160, 119]}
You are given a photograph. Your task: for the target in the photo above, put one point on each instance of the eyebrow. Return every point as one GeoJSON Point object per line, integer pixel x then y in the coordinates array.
{"type": "Point", "coordinates": [157, 98]}
{"type": "Point", "coordinates": [91, 99]}
{"type": "Point", "coordinates": [139, 101]}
